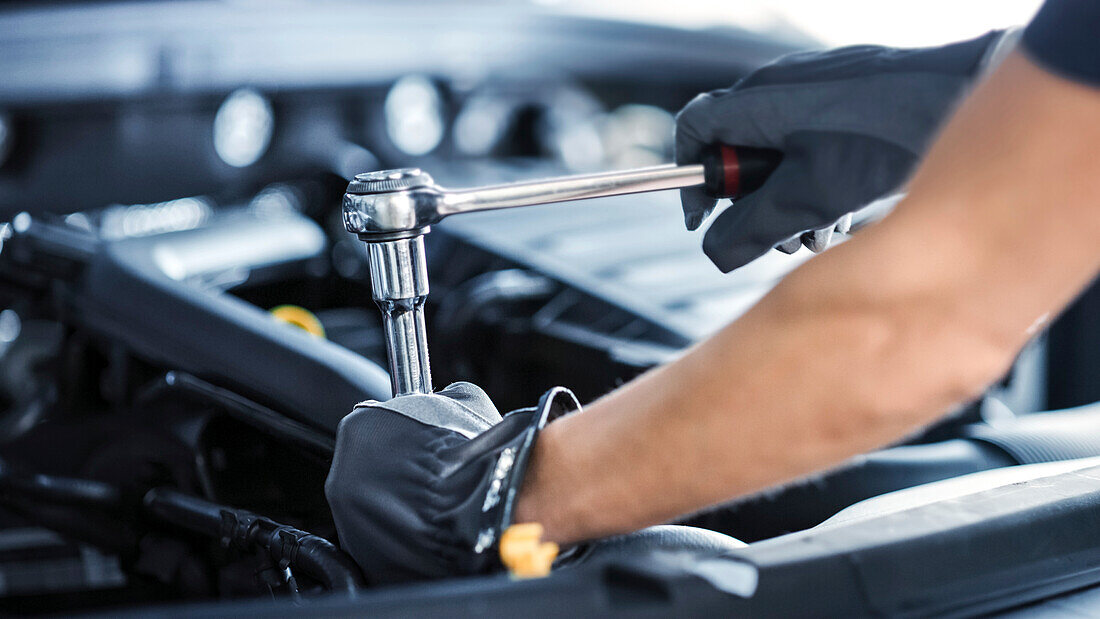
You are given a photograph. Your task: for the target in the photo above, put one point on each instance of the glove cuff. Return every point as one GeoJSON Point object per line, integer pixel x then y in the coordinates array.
{"type": "Point", "coordinates": [998, 50]}
{"type": "Point", "coordinates": [507, 474]}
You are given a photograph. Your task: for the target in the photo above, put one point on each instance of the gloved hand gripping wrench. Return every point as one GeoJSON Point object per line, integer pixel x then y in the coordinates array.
{"type": "Point", "coordinates": [392, 210]}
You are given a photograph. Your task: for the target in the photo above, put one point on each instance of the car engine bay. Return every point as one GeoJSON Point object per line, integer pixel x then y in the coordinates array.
{"type": "Point", "coordinates": [184, 320]}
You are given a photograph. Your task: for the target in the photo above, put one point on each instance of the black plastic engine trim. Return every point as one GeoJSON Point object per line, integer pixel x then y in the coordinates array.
{"type": "Point", "coordinates": [991, 550]}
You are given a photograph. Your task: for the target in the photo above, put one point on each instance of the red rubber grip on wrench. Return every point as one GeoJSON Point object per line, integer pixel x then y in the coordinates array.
{"type": "Point", "coordinates": [733, 171]}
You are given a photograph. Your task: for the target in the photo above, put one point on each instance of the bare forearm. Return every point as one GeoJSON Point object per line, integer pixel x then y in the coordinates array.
{"type": "Point", "coordinates": [799, 383]}
{"type": "Point", "coordinates": [861, 345]}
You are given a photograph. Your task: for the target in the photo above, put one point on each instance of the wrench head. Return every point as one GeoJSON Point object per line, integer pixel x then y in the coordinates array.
{"type": "Point", "coordinates": [389, 202]}
{"type": "Point", "coordinates": [384, 181]}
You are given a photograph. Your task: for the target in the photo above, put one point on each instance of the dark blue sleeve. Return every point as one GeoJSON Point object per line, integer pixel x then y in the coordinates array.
{"type": "Point", "coordinates": [1065, 38]}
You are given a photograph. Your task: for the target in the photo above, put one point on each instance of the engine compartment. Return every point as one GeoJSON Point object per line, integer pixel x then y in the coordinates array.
{"type": "Point", "coordinates": [165, 438]}
{"type": "Point", "coordinates": [182, 405]}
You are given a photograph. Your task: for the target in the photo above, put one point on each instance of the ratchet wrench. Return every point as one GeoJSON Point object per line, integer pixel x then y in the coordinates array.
{"type": "Point", "coordinates": [392, 210]}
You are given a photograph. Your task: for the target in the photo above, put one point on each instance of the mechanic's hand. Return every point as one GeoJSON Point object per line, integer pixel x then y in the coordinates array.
{"type": "Point", "coordinates": [851, 123]}
{"type": "Point", "coordinates": [423, 486]}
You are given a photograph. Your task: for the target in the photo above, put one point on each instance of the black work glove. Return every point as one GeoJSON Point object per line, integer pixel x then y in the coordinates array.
{"type": "Point", "coordinates": [423, 486]}
{"type": "Point", "coordinates": [852, 124]}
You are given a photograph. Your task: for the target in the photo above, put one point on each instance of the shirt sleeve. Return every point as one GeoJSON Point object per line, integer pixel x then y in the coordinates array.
{"type": "Point", "coordinates": [1064, 37]}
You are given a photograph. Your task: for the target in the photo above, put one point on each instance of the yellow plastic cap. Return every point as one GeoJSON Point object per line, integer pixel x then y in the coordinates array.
{"type": "Point", "coordinates": [299, 317]}
{"type": "Point", "coordinates": [524, 553]}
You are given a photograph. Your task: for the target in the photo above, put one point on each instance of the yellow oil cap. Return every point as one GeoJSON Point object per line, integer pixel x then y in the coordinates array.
{"type": "Point", "coordinates": [524, 553]}
{"type": "Point", "coordinates": [299, 317]}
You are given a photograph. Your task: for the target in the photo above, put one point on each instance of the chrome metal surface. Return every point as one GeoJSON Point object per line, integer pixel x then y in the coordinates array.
{"type": "Point", "coordinates": [567, 188]}
{"type": "Point", "coordinates": [399, 285]}
{"type": "Point", "coordinates": [385, 181]}
{"type": "Point", "coordinates": [375, 210]}
{"type": "Point", "coordinates": [391, 210]}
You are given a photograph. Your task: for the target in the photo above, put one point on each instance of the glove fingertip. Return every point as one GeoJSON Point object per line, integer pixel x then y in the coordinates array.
{"type": "Point", "coordinates": [728, 257]}
{"type": "Point", "coordinates": [790, 246]}
{"type": "Point", "coordinates": [697, 207]}
{"type": "Point", "coordinates": [731, 262]}
{"type": "Point", "coordinates": [692, 221]}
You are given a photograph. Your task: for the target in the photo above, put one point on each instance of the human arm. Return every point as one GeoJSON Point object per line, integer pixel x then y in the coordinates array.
{"type": "Point", "coordinates": [863, 344]}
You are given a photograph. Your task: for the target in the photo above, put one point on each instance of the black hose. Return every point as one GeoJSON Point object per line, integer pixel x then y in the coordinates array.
{"type": "Point", "coordinates": [310, 554]}
{"type": "Point", "coordinates": [243, 409]}
{"type": "Point", "coordinates": [77, 508]}
{"type": "Point", "coordinates": [806, 502]}
{"type": "Point", "coordinates": [314, 556]}
{"type": "Point", "coordinates": [1045, 437]}
{"type": "Point", "coordinates": [63, 491]}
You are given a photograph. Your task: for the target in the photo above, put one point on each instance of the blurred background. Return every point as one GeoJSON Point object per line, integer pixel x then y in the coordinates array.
{"type": "Point", "coordinates": [843, 22]}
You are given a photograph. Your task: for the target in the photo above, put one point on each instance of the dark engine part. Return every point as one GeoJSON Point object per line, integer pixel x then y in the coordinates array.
{"type": "Point", "coordinates": [34, 560]}
{"type": "Point", "coordinates": [284, 550]}
{"type": "Point", "coordinates": [519, 332]}
{"type": "Point", "coordinates": [149, 295]}
{"type": "Point", "coordinates": [180, 384]}
{"type": "Point", "coordinates": [286, 546]}
{"type": "Point", "coordinates": [807, 502]}
{"type": "Point", "coordinates": [1013, 538]}
{"type": "Point", "coordinates": [181, 434]}
{"type": "Point", "coordinates": [1029, 439]}
{"type": "Point", "coordinates": [587, 294]}
{"type": "Point", "coordinates": [1045, 437]}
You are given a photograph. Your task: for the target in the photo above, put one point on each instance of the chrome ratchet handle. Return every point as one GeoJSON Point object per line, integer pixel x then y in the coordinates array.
{"type": "Point", "coordinates": [391, 211]}
{"type": "Point", "coordinates": [567, 188]}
